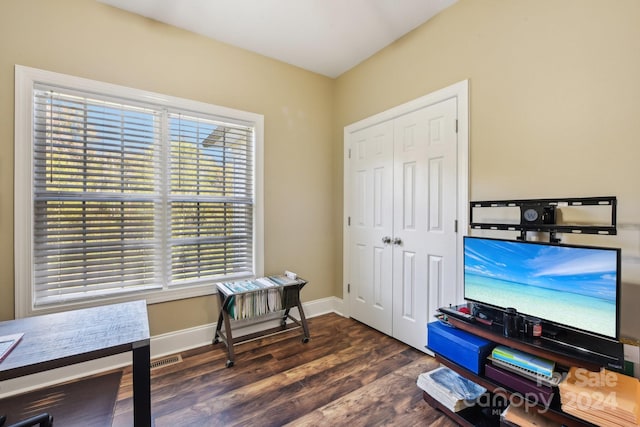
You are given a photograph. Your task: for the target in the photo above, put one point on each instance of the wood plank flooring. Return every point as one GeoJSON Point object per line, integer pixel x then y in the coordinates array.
{"type": "Point", "coordinates": [347, 374]}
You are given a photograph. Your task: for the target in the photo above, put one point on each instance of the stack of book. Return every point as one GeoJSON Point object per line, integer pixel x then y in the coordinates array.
{"type": "Point", "coordinates": [252, 298]}
{"type": "Point", "coordinates": [524, 364]}
{"type": "Point", "coordinates": [603, 398]}
{"type": "Point", "coordinates": [453, 391]}
{"type": "Point", "coordinates": [532, 377]}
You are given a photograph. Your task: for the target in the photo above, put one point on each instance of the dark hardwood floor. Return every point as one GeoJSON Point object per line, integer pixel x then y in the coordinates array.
{"type": "Point", "coordinates": [347, 374]}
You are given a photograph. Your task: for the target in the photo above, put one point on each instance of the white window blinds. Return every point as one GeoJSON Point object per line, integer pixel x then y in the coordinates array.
{"type": "Point", "coordinates": [210, 197]}
{"type": "Point", "coordinates": [130, 197]}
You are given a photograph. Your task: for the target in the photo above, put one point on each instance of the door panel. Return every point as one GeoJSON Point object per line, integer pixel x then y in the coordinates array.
{"type": "Point", "coordinates": [435, 194]}
{"type": "Point", "coordinates": [408, 285]}
{"type": "Point", "coordinates": [425, 206]}
{"type": "Point", "coordinates": [371, 199]}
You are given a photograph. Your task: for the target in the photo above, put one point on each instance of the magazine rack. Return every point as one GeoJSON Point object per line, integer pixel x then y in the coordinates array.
{"type": "Point", "coordinates": [258, 304]}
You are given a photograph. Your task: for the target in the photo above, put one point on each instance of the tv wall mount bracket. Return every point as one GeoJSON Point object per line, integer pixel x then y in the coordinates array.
{"type": "Point", "coordinates": [541, 215]}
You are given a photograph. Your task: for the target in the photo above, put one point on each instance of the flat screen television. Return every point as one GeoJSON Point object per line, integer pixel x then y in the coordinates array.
{"type": "Point", "coordinates": [568, 285]}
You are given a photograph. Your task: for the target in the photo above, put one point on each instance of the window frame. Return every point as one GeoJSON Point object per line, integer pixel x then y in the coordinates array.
{"type": "Point", "coordinates": [25, 80]}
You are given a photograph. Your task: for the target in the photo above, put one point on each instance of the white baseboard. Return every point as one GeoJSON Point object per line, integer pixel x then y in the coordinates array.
{"type": "Point", "coordinates": [161, 345]}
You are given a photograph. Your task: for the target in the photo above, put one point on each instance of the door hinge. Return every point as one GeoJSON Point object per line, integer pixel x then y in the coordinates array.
{"type": "Point", "coordinates": [456, 125]}
{"type": "Point", "coordinates": [349, 152]}
{"type": "Point", "coordinates": [455, 226]}
{"type": "Point", "coordinates": [348, 288]}
{"type": "Point", "coordinates": [349, 221]}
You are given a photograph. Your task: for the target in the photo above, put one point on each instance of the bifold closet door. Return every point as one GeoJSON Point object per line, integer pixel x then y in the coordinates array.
{"type": "Point", "coordinates": [425, 204]}
{"type": "Point", "coordinates": [402, 204]}
{"type": "Point", "coordinates": [371, 200]}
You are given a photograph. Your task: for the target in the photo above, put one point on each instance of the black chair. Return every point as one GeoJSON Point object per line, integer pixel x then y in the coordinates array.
{"type": "Point", "coordinates": [42, 420]}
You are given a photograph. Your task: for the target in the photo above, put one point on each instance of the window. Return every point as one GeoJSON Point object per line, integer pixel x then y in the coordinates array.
{"type": "Point", "coordinates": [123, 193]}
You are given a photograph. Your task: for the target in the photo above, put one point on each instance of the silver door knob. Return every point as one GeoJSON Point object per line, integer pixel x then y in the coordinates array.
{"type": "Point", "coordinates": [386, 240]}
{"type": "Point", "coordinates": [397, 241]}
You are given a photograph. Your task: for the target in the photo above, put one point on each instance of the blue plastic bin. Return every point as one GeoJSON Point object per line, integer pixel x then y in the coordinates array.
{"type": "Point", "coordinates": [463, 348]}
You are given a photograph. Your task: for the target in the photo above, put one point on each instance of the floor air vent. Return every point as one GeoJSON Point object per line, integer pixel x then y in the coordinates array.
{"type": "Point", "coordinates": [166, 361]}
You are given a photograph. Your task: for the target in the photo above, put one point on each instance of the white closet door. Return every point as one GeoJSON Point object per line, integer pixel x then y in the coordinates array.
{"type": "Point", "coordinates": [425, 206]}
{"type": "Point", "coordinates": [371, 210]}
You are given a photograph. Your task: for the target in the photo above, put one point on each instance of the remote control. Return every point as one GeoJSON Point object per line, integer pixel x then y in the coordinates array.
{"type": "Point", "coordinates": [449, 311]}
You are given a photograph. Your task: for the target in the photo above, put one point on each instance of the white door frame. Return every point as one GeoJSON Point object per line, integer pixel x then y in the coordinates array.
{"type": "Point", "coordinates": [458, 90]}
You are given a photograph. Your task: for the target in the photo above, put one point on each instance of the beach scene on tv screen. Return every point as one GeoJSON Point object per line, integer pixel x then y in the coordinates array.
{"type": "Point", "coordinates": [568, 285]}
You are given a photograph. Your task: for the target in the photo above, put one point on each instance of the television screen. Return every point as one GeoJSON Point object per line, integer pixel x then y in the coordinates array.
{"type": "Point", "coordinates": [576, 286]}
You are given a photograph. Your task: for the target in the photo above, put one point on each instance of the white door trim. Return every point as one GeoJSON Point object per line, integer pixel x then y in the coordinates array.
{"type": "Point", "coordinates": [459, 90]}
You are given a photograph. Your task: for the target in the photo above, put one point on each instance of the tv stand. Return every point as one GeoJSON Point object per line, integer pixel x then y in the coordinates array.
{"type": "Point", "coordinates": [559, 340]}
{"type": "Point", "coordinates": [538, 348]}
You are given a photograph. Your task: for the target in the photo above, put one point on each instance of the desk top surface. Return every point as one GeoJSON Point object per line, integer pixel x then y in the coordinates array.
{"type": "Point", "coordinates": [60, 339]}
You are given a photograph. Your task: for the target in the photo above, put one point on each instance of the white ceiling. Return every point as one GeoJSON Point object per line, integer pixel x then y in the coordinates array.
{"type": "Point", "coordinates": [324, 36]}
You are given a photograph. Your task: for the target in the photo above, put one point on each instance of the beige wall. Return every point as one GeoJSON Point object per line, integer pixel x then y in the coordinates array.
{"type": "Point", "coordinates": [88, 39]}
{"type": "Point", "coordinates": [554, 104]}
{"type": "Point", "coordinates": [554, 100]}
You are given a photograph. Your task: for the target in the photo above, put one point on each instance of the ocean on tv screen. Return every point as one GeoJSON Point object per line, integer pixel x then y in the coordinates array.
{"type": "Point", "coordinates": [568, 285]}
